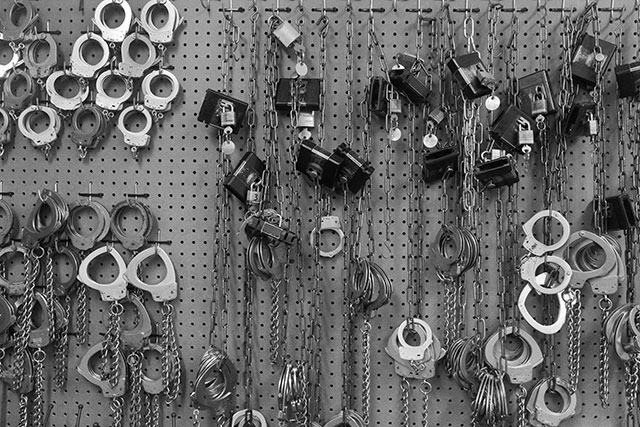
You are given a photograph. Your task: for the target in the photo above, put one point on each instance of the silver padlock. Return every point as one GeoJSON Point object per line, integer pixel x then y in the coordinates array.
{"type": "Point", "coordinates": [306, 119]}
{"type": "Point", "coordinates": [525, 135]}
{"type": "Point", "coordinates": [286, 33]}
{"type": "Point", "coordinates": [593, 124]}
{"type": "Point", "coordinates": [437, 116]}
{"type": "Point", "coordinates": [539, 104]}
{"type": "Point", "coordinates": [395, 104]}
{"type": "Point", "coordinates": [254, 195]}
{"type": "Point", "coordinates": [227, 114]}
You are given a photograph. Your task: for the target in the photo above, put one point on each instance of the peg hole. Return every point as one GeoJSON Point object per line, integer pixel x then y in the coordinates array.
{"type": "Point", "coordinates": [6, 53]}
{"type": "Point", "coordinates": [152, 366]}
{"type": "Point", "coordinates": [62, 268]}
{"type": "Point", "coordinates": [84, 220]}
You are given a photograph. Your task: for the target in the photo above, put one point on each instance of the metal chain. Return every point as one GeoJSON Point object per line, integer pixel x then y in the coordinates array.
{"type": "Point", "coordinates": [23, 411]}
{"type": "Point", "coordinates": [366, 371]}
{"type": "Point", "coordinates": [574, 334]}
{"type": "Point", "coordinates": [171, 364]}
{"type": "Point", "coordinates": [603, 362]}
{"type": "Point", "coordinates": [404, 385]}
{"type": "Point", "coordinates": [425, 389]}
{"type": "Point", "coordinates": [48, 293]}
{"type": "Point", "coordinates": [111, 345]}
{"type": "Point", "coordinates": [349, 76]}
{"type": "Point", "coordinates": [61, 345]}
{"type": "Point", "coordinates": [117, 408]}
{"type": "Point", "coordinates": [412, 306]}
{"type": "Point", "coordinates": [249, 284]}
{"type": "Point", "coordinates": [32, 271]}
{"type": "Point", "coordinates": [521, 398]}
{"type": "Point", "coordinates": [38, 388]}
{"type": "Point", "coordinates": [253, 78]}
{"type": "Point", "coordinates": [135, 374]}
{"type": "Point", "coordinates": [82, 324]}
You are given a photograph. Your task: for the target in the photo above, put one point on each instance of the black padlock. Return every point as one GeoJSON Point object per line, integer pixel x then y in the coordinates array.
{"type": "Point", "coordinates": [620, 213]}
{"type": "Point", "coordinates": [581, 109]}
{"type": "Point", "coordinates": [497, 173]}
{"type": "Point", "coordinates": [409, 84]}
{"type": "Point", "coordinates": [308, 94]}
{"type": "Point", "coordinates": [258, 227]}
{"type": "Point", "coordinates": [378, 96]}
{"type": "Point", "coordinates": [440, 162]}
{"type": "Point", "coordinates": [534, 94]}
{"type": "Point", "coordinates": [212, 108]}
{"type": "Point", "coordinates": [505, 130]}
{"type": "Point", "coordinates": [354, 172]}
{"type": "Point", "coordinates": [471, 74]}
{"type": "Point", "coordinates": [583, 64]}
{"type": "Point", "coordinates": [318, 164]}
{"type": "Point", "coordinates": [248, 172]}
{"type": "Point", "coordinates": [628, 78]}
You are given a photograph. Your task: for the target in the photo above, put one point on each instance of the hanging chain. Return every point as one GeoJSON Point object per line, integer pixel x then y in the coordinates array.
{"type": "Point", "coordinates": [61, 345]}
{"type": "Point", "coordinates": [32, 271]}
{"type": "Point", "coordinates": [248, 343]}
{"type": "Point", "coordinates": [366, 370]}
{"type": "Point", "coordinates": [171, 371]}
{"type": "Point", "coordinates": [38, 387]}
{"type": "Point", "coordinates": [23, 411]}
{"type": "Point", "coordinates": [412, 306]}
{"type": "Point", "coordinates": [253, 79]}
{"type": "Point", "coordinates": [404, 384]}
{"type": "Point", "coordinates": [135, 372]}
{"type": "Point", "coordinates": [48, 293]}
{"type": "Point", "coordinates": [521, 399]}
{"type": "Point", "coordinates": [111, 345]}
{"type": "Point", "coordinates": [425, 389]}
{"type": "Point", "coordinates": [117, 411]}
{"type": "Point", "coordinates": [82, 325]}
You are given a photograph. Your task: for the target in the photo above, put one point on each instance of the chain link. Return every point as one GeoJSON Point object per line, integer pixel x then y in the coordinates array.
{"type": "Point", "coordinates": [32, 271]}
{"type": "Point", "coordinates": [38, 388]}
{"type": "Point", "coordinates": [603, 362]}
{"type": "Point", "coordinates": [366, 371]}
{"type": "Point", "coordinates": [82, 307]}
{"type": "Point", "coordinates": [61, 345]}
{"type": "Point", "coordinates": [404, 384]}
{"type": "Point", "coordinates": [574, 334]}
{"type": "Point", "coordinates": [117, 409]}
{"type": "Point", "coordinates": [135, 374]}
{"type": "Point", "coordinates": [171, 363]}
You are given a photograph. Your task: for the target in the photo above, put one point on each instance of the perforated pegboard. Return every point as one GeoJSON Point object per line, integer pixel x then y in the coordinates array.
{"type": "Point", "coordinates": [177, 172]}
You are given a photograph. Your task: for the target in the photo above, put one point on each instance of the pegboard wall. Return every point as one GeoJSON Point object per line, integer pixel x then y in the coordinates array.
{"type": "Point", "coordinates": [177, 172]}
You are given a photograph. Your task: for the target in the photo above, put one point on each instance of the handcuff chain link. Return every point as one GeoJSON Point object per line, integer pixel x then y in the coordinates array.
{"type": "Point", "coordinates": [38, 388]}
{"type": "Point", "coordinates": [574, 333]}
{"type": "Point", "coordinates": [135, 371]}
{"type": "Point", "coordinates": [366, 371]}
{"type": "Point", "coordinates": [61, 344]}
{"type": "Point", "coordinates": [32, 271]}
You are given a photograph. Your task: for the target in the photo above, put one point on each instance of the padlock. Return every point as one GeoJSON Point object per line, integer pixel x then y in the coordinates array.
{"type": "Point", "coordinates": [469, 71]}
{"type": "Point", "coordinates": [525, 136]}
{"type": "Point", "coordinates": [248, 172]}
{"type": "Point", "coordinates": [438, 163]}
{"type": "Point", "coordinates": [286, 33]}
{"type": "Point", "coordinates": [620, 214]}
{"type": "Point", "coordinates": [534, 94]}
{"type": "Point", "coordinates": [254, 195]}
{"type": "Point", "coordinates": [307, 119]}
{"type": "Point", "coordinates": [378, 96]}
{"type": "Point", "coordinates": [258, 227]}
{"type": "Point", "coordinates": [592, 124]}
{"type": "Point", "coordinates": [437, 116]}
{"type": "Point", "coordinates": [354, 172]}
{"type": "Point", "coordinates": [211, 111]}
{"type": "Point", "coordinates": [497, 173]}
{"type": "Point", "coordinates": [628, 78]}
{"type": "Point", "coordinates": [395, 104]}
{"type": "Point", "coordinates": [308, 94]}
{"type": "Point", "coordinates": [581, 107]}
{"type": "Point", "coordinates": [318, 164]}
{"type": "Point", "coordinates": [506, 129]}
{"type": "Point", "coordinates": [583, 64]}
{"type": "Point", "coordinates": [409, 84]}
{"type": "Point", "coordinates": [227, 114]}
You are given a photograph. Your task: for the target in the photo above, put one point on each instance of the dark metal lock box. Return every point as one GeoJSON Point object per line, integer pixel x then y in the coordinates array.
{"type": "Point", "coordinates": [378, 96]}
{"type": "Point", "coordinates": [318, 164]}
{"type": "Point", "coordinates": [535, 96]}
{"type": "Point", "coordinates": [468, 71]}
{"type": "Point", "coordinates": [628, 78]}
{"type": "Point", "coordinates": [248, 172]}
{"type": "Point", "coordinates": [438, 163]}
{"type": "Point", "coordinates": [256, 226]}
{"type": "Point", "coordinates": [211, 108]}
{"type": "Point", "coordinates": [620, 213]}
{"type": "Point", "coordinates": [308, 95]}
{"type": "Point", "coordinates": [581, 109]}
{"type": "Point", "coordinates": [583, 64]}
{"type": "Point", "coordinates": [354, 172]}
{"type": "Point", "coordinates": [505, 129]}
{"type": "Point", "coordinates": [497, 173]}
{"type": "Point", "coordinates": [409, 84]}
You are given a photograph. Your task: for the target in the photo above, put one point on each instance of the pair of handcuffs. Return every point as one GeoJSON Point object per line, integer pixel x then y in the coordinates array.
{"type": "Point", "coordinates": [90, 138]}
{"type": "Point", "coordinates": [519, 363]}
{"type": "Point", "coordinates": [414, 361]}
{"type": "Point", "coordinates": [82, 240]}
{"type": "Point", "coordinates": [41, 69]}
{"type": "Point", "coordinates": [371, 287]}
{"type": "Point", "coordinates": [553, 282]}
{"type": "Point", "coordinates": [136, 239]}
{"type": "Point", "coordinates": [451, 263]}
{"type": "Point", "coordinates": [45, 139]}
{"type": "Point", "coordinates": [36, 230]}
{"type": "Point", "coordinates": [86, 368]}
{"type": "Point", "coordinates": [291, 396]}
{"type": "Point", "coordinates": [14, 27]}
{"type": "Point", "coordinates": [328, 224]}
{"type": "Point", "coordinates": [623, 332]}
{"type": "Point", "coordinates": [540, 415]}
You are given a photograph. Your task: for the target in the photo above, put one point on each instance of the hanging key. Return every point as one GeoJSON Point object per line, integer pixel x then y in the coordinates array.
{"type": "Point", "coordinates": [525, 137]}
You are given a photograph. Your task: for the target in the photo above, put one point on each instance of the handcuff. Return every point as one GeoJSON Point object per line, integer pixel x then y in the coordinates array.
{"type": "Point", "coordinates": [45, 139]}
{"type": "Point", "coordinates": [106, 101]}
{"type": "Point", "coordinates": [39, 336]}
{"type": "Point", "coordinates": [136, 337]}
{"type": "Point", "coordinates": [63, 287]}
{"type": "Point", "coordinates": [114, 291]}
{"type": "Point", "coordinates": [13, 287]}
{"type": "Point", "coordinates": [59, 100]}
{"type": "Point", "coordinates": [167, 288]}
{"type": "Point", "coordinates": [371, 287]}
{"type": "Point", "coordinates": [545, 329]}
{"type": "Point", "coordinates": [351, 418]}
{"type": "Point", "coordinates": [609, 282]}
{"type": "Point", "coordinates": [41, 69]}
{"type": "Point", "coordinates": [8, 316]}
{"type": "Point", "coordinates": [415, 362]}
{"type": "Point", "coordinates": [9, 226]}
{"type": "Point", "coordinates": [239, 419]}
{"type": "Point", "coordinates": [117, 34]}
{"type": "Point", "coordinates": [154, 102]}
{"type": "Point", "coordinates": [79, 65]}
{"type": "Point", "coordinates": [91, 138]}
{"type": "Point", "coordinates": [538, 248]}
{"type": "Point", "coordinates": [85, 368]}
{"type": "Point", "coordinates": [622, 332]}
{"type": "Point", "coordinates": [464, 256]}
{"type": "Point", "coordinates": [541, 282]}
{"type": "Point", "coordinates": [539, 411]}
{"type": "Point", "coordinates": [216, 380]}
{"type": "Point", "coordinates": [7, 374]}
{"type": "Point", "coordinates": [136, 240]}
{"type": "Point", "coordinates": [154, 385]}
{"type": "Point", "coordinates": [261, 259]}
{"type": "Point", "coordinates": [13, 101]}
{"type": "Point", "coordinates": [35, 230]}
{"type": "Point", "coordinates": [13, 63]}
{"type": "Point", "coordinates": [7, 129]}
{"type": "Point", "coordinates": [332, 224]}
{"type": "Point", "coordinates": [130, 67]}
{"type": "Point", "coordinates": [86, 241]}
{"type": "Point", "coordinates": [518, 365]}
{"type": "Point", "coordinates": [11, 30]}
{"type": "Point", "coordinates": [136, 140]}
{"type": "Point", "coordinates": [165, 33]}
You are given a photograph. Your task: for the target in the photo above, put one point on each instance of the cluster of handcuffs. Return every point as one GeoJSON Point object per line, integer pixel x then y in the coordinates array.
{"type": "Point", "coordinates": [45, 235]}
{"type": "Point", "coordinates": [92, 106]}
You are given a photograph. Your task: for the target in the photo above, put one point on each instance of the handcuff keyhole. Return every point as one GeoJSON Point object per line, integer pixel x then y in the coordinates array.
{"type": "Point", "coordinates": [113, 15]}
{"type": "Point", "coordinates": [67, 86]}
{"type": "Point", "coordinates": [84, 221]}
{"type": "Point", "coordinates": [553, 400]}
{"type": "Point", "coordinates": [114, 86]}
{"type": "Point", "coordinates": [103, 269]}
{"type": "Point", "coordinates": [62, 268]}
{"type": "Point", "coordinates": [87, 121]}
{"type": "Point", "coordinates": [152, 270]}
{"type": "Point", "coordinates": [135, 121]}
{"type": "Point", "coordinates": [139, 51]}
{"type": "Point", "coordinates": [159, 15]}
{"type": "Point", "coordinates": [91, 52]}
{"type": "Point", "coordinates": [152, 365]}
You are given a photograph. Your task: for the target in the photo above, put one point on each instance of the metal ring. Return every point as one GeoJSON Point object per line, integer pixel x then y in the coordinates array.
{"type": "Point", "coordinates": [61, 101]}
{"type": "Point", "coordinates": [131, 241]}
{"type": "Point", "coordinates": [545, 329]}
{"type": "Point", "coordinates": [541, 282]}
{"type": "Point", "coordinates": [535, 246]}
{"type": "Point", "coordinates": [113, 291]}
{"type": "Point", "coordinates": [79, 65]}
{"type": "Point", "coordinates": [153, 101]}
{"type": "Point", "coordinates": [13, 101]}
{"type": "Point", "coordinates": [41, 69]}
{"type": "Point", "coordinates": [166, 32]}
{"type": "Point", "coordinates": [135, 139]}
{"type": "Point", "coordinates": [128, 66]}
{"type": "Point", "coordinates": [10, 30]}
{"type": "Point", "coordinates": [47, 136]}
{"type": "Point", "coordinates": [106, 101]}
{"type": "Point", "coordinates": [167, 288]}
{"type": "Point", "coordinates": [118, 34]}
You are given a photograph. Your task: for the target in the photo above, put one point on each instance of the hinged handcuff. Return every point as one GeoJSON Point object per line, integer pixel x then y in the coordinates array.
{"type": "Point", "coordinates": [45, 139]}
{"type": "Point", "coordinates": [17, 102]}
{"type": "Point", "coordinates": [538, 248]}
{"type": "Point", "coordinates": [106, 101]}
{"type": "Point", "coordinates": [140, 139]}
{"type": "Point", "coordinates": [41, 69]}
{"type": "Point", "coordinates": [86, 369]}
{"type": "Point", "coordinates": [117, 34]}
{"type": "Point", "coordinates": [159, 104]}
{"type": "Point", "coordinates": [417, 362]}
{"type": "Point", "coordinates": [130, 67]}
{"type": "Point", "coordinates": [14, 28]}
{"type": "Point", "coordinates": [35, 230]}
{"type": "Point", "coordinates": [137, 239]}
{"type": "Point", "coordinates": [167, 288]}
{"type": "Point", "coordinates": [91, 137]}
{"type": "Point", "coordinates": [519, 364]}
{"type": "Point", "coordinates": [164, 34]}
{"type": "Point", "coordinates": [117, 289]}
{"type": "Point", "coordinates": [136, 337]}
{"type": "Point", "coordinates": [86, 241]}
{"type": "Point", "coordinates": [13, 287]}
{"type": "Point", "coordinates": [539, 412]}
{"type": "Point", "coordinates": [40, 334]}
{"type": "Point", "coordinates": [79, 65]}
{"type": "Point", "coordinates": [58, 99]}
{"type": "Point", "coordinates": [328, 224]}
